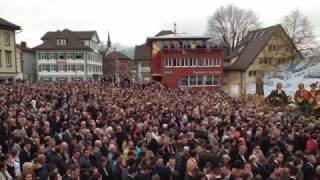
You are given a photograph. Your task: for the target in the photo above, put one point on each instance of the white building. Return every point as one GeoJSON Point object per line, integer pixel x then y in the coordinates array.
{"type": "Point", "coordinates": [69, 55]}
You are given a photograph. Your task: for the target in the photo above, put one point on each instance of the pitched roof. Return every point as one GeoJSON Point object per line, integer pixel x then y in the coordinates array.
{"type": "Point", "coordinates": [164, 32]}
{"type": "Point", "coordinates": [18, 46]}
{"type": "Point", "coordinates": [116, 55]}
{"type": "Point", "coordinates": [250, 47]}
{"type": "Point", "coordinates": [73, 40]}
{"type": "Point", "coordinates": [142, 53]}
{"type": "Point", "coordinates": [8, 25]}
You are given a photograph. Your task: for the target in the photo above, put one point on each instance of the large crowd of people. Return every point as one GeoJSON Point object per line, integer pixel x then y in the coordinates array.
{"type": "Point", "coordinates": [143, 131]}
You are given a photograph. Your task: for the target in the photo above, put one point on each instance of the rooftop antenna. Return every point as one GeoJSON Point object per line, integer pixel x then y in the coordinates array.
{"type": "Point", "coordinates": [175, 28]}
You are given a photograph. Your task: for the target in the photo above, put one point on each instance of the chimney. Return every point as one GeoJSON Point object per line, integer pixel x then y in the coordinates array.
{"type": "Point", "coordinates": [175, 28]}
{"type": "Point", "coordinates": [23, 44]}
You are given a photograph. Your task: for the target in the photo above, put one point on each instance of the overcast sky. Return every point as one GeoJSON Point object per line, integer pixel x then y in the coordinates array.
{"type": "Point", "coordinates": [131, 21]}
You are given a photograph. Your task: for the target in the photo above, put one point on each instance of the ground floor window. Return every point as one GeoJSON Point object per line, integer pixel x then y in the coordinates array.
{"type": "Point", "coordinates": [208, 80]}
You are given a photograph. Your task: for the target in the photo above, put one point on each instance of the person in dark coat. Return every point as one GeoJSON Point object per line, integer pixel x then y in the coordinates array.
{"type": "Point", "coordinates": [308, 168]}
{"type": "Point", "coordinates": [40, 170]}
{"type": "Point", "coordinates": [132, 173]}
{"type": "Point", "coordinates": [146, 173]}
{"type": "Point", "coordinates": [25, 155]}
{"type": "Point", "coordinates": [57, 159]}
{"type": "Point", "coordinates": [103, 169]}
{"type": "Point", "coordinates": [278, 96]}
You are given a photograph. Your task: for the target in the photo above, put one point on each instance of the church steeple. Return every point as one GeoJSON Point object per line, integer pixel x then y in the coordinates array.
{"type": "Point", "coordinates": [109, 41]}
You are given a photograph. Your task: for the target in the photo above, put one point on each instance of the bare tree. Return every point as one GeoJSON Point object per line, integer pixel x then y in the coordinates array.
{"type": "Point", "coordinates": [230, 24]}
{"type": "Point", "coordinates": [300, 30]}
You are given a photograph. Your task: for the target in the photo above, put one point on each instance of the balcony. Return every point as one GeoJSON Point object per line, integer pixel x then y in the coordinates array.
{"type": "Point", "coordinates": [189, 50]}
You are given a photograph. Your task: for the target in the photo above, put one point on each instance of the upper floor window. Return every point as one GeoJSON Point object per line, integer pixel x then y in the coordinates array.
{"type": "Point", "coordinates": [8, 58]}
{"type": "Point", "coordinates": [7, 39]}
{"type": "Point", "coordinates": [252, 73]}
{"type": "Point", "coordinates": [61, 42]}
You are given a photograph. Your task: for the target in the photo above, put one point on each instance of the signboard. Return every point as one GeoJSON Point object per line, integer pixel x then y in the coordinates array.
{"type": "Point", "coordinates": [167, 72]}
{"type": "Point", "coordinates": [206, 72]}
{"type": "Point", "coordinates": [60, 61]}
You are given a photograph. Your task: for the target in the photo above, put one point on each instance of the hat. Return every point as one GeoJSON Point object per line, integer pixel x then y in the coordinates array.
{"type": "Point", "coordinates": [313, 85]}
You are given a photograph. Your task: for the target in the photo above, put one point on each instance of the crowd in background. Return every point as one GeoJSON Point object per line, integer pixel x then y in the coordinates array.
{"type": "Point", "coordinates": [143, 131]}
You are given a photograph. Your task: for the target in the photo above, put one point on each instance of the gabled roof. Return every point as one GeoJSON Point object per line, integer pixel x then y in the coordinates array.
{"type": "Point", "coordinates": [115, 55]}
{"type": "Point", "coordinates": [142, 53]}
{"type": "Point", "coordinates": [8, 25]}
{"type": "Point", "coordinates": [251, 45]}
{"type": "Point", "coordinates": [73, 40]}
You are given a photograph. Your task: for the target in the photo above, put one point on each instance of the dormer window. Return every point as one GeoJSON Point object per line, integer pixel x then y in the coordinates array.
{"type": "Point", "coordinates": [61, 42]}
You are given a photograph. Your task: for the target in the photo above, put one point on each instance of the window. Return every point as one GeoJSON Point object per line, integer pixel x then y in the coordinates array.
{"type": "Point", "coordinates": [190, 61]}
{"type": "Point", "coordinates": [216, 79]}
{"type": "Point", "coordinates": [53, 55]}
{"type": "Point", "coordinates": [46, 68]}
{"type": "Point", "coordinates": [70, 55]}
{"type": "Point", "coordinates": [217, 62]}
{"type": "Point", "coordinates": [208, 80]}
{"type": "Point", "coordinates": [252, 73]}
{"type": "Point", "coordinates": [184, 81]}
{"type": "Point", "coordinates": [79, 55]}
{"type": "Point", "coordinates": [207, 63]}
{"type": "Point", "coordinates": [182, 62]}
{"type": "Point", "coordinates": [54, 68]}
{"type": "Point", "coordinates": [8, 58]}
{"type": "Point", "coordinates": [200, 80]}
{"type": "Point", "coordinates": [194, 62]}
{"type": "Point", "coordinates": [174, 62]}
{"type": "Point", "coordinates": [61, 42]}
{"type": "Point", "coordinates": [39, 68]}
{"type": "Point", "coordinates": [193, 80]}
{"type": "Point", "coordinates": [261, 61]}
{"type": "Point", "coordinates": [62, 55]}
{"type": "Point", "coordinates": [79, 68]}
{"type": "Point", "coordinates": [7, 39]}
{"type": "Point", "coordinates": [200, 62]}
{"type": "Point", "coordinates": [62, 67]}
{"type": "Point", "coordinates": [43, 55]}
{"type": "Point", "coordinates": [186, 63]}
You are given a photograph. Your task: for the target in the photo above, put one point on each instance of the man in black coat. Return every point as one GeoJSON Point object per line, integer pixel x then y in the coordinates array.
{"type": "Point", "coordinates": [240, 157]}
{"type": "Point", "coordinates": [308, 168]}
{"type": "Point", "coordinates": [103, 169]}
{"type": "Point", "coordinates": [26, 155]}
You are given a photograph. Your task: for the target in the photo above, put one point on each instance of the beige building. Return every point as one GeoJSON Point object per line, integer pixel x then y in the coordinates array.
{"type": "Point", "coordinates": [9, 69]}
{"type": "Point", "coordinates": [261, 51]}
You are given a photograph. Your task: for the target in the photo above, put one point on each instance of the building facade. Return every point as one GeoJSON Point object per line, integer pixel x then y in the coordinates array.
{"type": "Point", "coordinates": [142, 63]}
{"type": "Point", "coordinates": [117, 66]}
{"type": "Point", "coordinates": [9, 66]}
{"type": "Point", "coordinates": [180, 60]}
{"type": "Point", "coordinates": [28, 65]}
{"type": "Point", "coordinates": [261, 51]}
{"type": "Point", "coordinates": [69, 55]}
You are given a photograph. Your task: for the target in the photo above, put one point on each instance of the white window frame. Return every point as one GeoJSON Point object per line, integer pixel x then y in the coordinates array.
{"type": "Point", "coordinates": [7, 39]}
{"type": "Point", "coordinates": [8, 57]}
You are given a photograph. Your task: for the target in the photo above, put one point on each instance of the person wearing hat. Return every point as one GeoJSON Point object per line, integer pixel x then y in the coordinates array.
{"type": "Point", "coordinates": [313, 93]}
{"type": "Point", "coordinates": [302, 97]}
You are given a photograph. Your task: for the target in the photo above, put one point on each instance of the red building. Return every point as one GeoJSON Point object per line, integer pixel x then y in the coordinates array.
{"type": "Point", "coordinates": [179, 60]}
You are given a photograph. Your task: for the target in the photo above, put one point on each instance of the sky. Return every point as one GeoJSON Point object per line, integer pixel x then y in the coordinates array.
{"type": "Point", "coordinates": [130, 22]}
